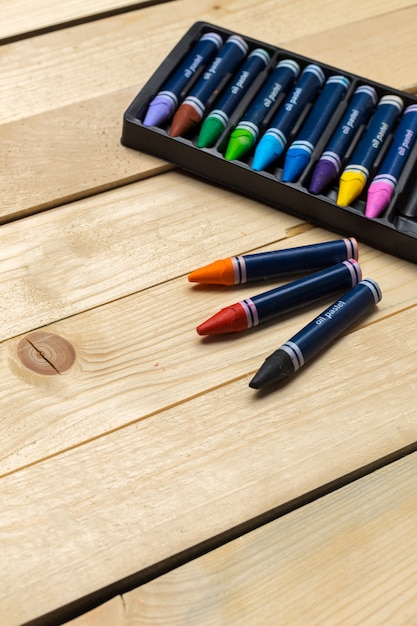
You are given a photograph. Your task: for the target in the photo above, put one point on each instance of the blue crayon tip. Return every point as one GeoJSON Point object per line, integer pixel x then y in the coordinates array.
{"type": "Point", "coordinates": [324, 173]}
{"type": "Point", "coordinates": [268, 150]}
{"type": "Point", "coordinates": [296, 160]}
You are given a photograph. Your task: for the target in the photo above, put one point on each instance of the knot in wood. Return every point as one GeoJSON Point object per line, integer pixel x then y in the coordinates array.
{"type": "Point", "coordinates": [46, 353]}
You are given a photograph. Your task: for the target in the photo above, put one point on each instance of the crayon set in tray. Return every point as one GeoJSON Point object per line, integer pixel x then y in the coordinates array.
{"type": "Point", "coordinates": [301, 136]}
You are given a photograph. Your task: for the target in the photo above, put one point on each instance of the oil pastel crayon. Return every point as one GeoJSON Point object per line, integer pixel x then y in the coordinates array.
{"type": "Point", "coordinates": [273, 141]}
{"type": "Point", "coordinates": [270, 304]}
{"type": "Point", "coordinates": [299, 152]}
{"type": "Point", "coordinates": [162, 106]}
{"type": "Point", "coordinates": [192, 109]}
{"type": "Point", "coordinates": [217, 120]}
{"type": "Point", "coordinates": [245, 134]}
{"type": "Point", "coordinates": [316, 335]}
{"type": "Point", "coordinates": [236, 270]}
{"type": "Point", "coordinates": [329, 164]}
{"type": "Point", "coordinates": [381, 189]}
{"type": "Point", "coordinates": [355, 175]}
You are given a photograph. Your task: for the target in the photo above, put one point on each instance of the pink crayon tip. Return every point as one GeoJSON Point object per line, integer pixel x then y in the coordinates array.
{"type": "Point", "coordinates": [379, 197]}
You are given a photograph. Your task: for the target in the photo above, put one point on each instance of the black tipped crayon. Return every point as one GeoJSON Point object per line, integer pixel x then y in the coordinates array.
{"type": "Point", "coordinates": [317, 334]}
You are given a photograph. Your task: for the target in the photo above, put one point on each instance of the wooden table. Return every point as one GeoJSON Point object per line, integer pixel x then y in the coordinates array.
{"type": "Point", "coordinates": [142, 481]}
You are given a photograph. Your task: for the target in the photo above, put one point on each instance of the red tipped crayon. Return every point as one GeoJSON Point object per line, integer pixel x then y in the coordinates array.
{"type": "Point", "coordinates": [249, 267]}
{"type": "Point", "coordinates": [270, 304]}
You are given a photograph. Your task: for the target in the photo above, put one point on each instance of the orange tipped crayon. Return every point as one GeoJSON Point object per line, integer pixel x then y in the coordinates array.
{"type": "Point", "coordinates": [270, 304]}
{"type": "Point", "coordinates": [259, 266]}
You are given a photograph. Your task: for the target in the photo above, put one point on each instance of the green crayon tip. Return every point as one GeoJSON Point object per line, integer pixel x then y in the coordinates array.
{"type": "Point", "coordinates": [241, 141]}
{"type": "Point", "coordinates": [210, 131]}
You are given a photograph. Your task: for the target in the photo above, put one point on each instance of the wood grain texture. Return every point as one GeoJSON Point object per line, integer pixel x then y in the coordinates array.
{"type": "Point", "coordinates": [21, 18]}
{"type": "Point", "coordinates": [85, 254]}
{"type": "Point", "coordinates": [152, 442]}
{"type": "Point", "coordinates": [70, 153]}
{"type": "Point", "coordinates": [123, 502]}
{"type": "Point", "coordinates": [346, 559]}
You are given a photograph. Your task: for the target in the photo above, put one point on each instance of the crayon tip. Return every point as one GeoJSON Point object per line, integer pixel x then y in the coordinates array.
{"type": "Point", "coordinates": [184, 120]}
{"type": "Point", "coordinates": [267, 151]}
{"type": "Point", "coordinates": [211, 130]}
{"type": "Point", "coordinates": [379, 197]}
{"type": "Point", "coordinates": [160, 109]}
{"type": "Point", "coordinates": [296, 160]}
{"type": "Point", "coordinates": [351, 186]}
{"type": "Point", "coordinates": [241, 141]}
{"type": "Point", "coordinates": [217, 273]}
{"type": "Point", "coordinates": [274, 369]}
{"type": "Point", "coordinates": [232, 319]}
{"type": "Point", "coordinates": [324, 173]}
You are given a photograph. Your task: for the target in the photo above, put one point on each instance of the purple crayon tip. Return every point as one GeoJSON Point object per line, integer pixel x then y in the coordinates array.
{"type": "Point", "coordinates": [160, 109]}
{"type": "Point", "coordinates": [379, 197]}
{"type": "Point", "coordinates": [324, 173]}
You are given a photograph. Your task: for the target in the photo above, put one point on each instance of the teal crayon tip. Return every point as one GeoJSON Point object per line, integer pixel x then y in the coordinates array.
{"type": "Point", "coordinates": [296, 160]}
{"type": "Point", "coordinates": [268, 150]}
{"type": "Point", "coordinates": [210, 131]}
{"type": "Point", "coordinates": [240, 143]}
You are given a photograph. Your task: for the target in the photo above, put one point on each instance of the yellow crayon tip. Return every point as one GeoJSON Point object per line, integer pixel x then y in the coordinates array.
{"type": "Point", "coordinates": [217, 273]}
{"type": "Point", "coordinates": [351, 186]}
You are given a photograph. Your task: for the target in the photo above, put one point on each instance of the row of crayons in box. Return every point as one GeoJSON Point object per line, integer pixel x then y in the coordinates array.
{"type": "Point", "coordinates": [209, 104]}
{"type": "Point", "coordinates": [339, 272]}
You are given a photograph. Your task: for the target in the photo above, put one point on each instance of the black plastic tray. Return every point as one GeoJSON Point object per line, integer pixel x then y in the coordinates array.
{"type": "Point", "coordinates": [394, 232]}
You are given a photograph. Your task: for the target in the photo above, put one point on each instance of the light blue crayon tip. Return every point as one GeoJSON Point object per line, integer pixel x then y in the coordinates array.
{"type": "Point", "coordinates": [296, 160]}
{"type": "Point", "coordinates": [268, 150]}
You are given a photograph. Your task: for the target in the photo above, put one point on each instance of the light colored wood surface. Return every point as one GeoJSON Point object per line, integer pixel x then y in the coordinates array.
{"type": "Point", "coordinates": [345, 559]}
{"type": "Point", "coordinates": [152, 442]}
{"type": "Point", "coordinates": [143, 323]}
{"type": "Point", "coordinates": [20, 18]}
{"type": "Point", "coordinates": [176, 477]}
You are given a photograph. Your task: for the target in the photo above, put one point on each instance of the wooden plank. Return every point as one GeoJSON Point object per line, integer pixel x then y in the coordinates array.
{"type": "Point", "coordinates": [347, 558]}
{"type": "Point", "coordinates": [63, 155]}
{"type": "Point", "coordinates": [115, 279]}
{"type": "Point", "coordinates": [60, 144]}
{"type": "Point", "coordinates": [87, 253]}
{"type": "Point", "coordinates": [111, 508]}
{"type": "Point", "coordinates": [139, 354]}
{"type": "Point", "coordinates": [20, 18]}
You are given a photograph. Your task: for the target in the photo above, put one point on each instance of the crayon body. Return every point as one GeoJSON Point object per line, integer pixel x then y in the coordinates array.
{"type": "Point", "coordinates": [317, 334]}
{"type": "Point", "coordinates": [273, 141]}
{"type": "Point", "coordinates": [217, 120]}
{"type": "Point", "coordinates": [356, 173]}
{"type": "Point", "coordinates": [330, 163]}
{"type": "Point", "coordinates": [162, 107]}
{"type": "Point", "coordinates": [191, 111]}
{"type": "Point", "coordinates": [246, 132]}
{"type": "Point", "coordinates": [299, 152]}
{"type": "Point", "coordinates": [259, 266]}
{"type": "Point", "coordinates": [270, 304]}
{"type": "Point", "coordinates": [382, 187]}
